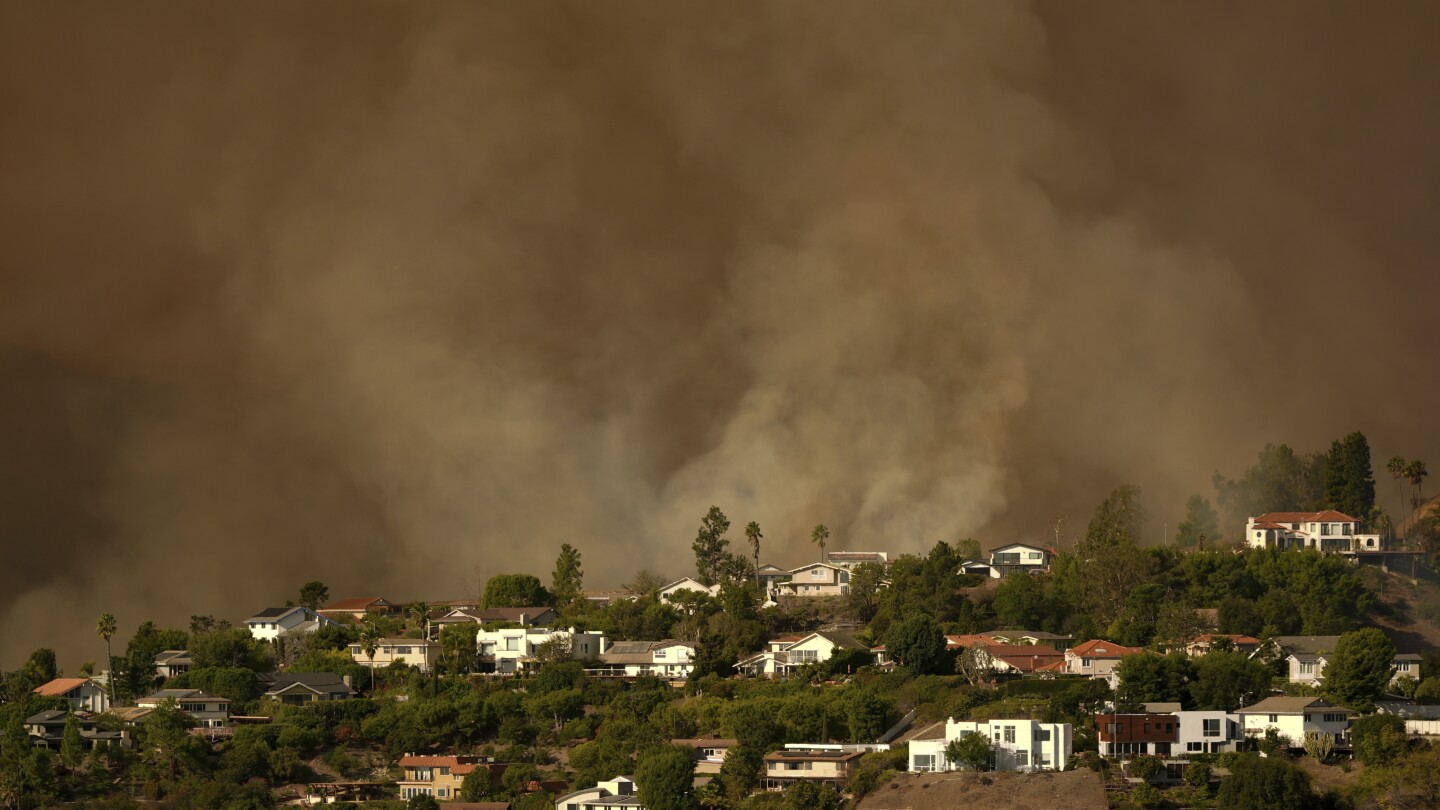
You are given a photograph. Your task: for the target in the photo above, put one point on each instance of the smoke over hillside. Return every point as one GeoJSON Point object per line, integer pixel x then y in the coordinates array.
{"type": "Point", "coordinates": [387, 295]}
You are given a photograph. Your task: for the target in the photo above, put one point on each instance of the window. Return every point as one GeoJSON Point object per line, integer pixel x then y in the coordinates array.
{"type": "Point", "coordinates": [1337, 717]}
{"type": "Point", "coordinates": [1009, 734]}
{"type": "Point", "coordinates": [924, 762]}
{"type": "Point", "coordinates": [817, 573]}
{"type": "Point", "coordinates": [1307, 717]}
{"type": "Point", "coordinates": [1042, 734]}
{"type": "Point", "coordinates": [1022, 758]}
{"type": "Point", "coordinates": [1147, 728]}
{"type": "Point", "coordinates": [1195, 746]}
{"type": "Point", "coordinates": [1307, 668]}
{"type": "Point", "coordinates": [1085, 662]}
{"type": "Point", "coordinates": [1110, 728]}
{"type": "Point", "coordinates": [1402, 666]}
{"type": "Point", "coordinates": [1274, 718]}
{"type": "Point", "coordinates": [402, 650]}
{"type": "Point", "coordinates": [1035, 555]}
{"type": "Point", "coordinates": [512, 643]}
{"type": "Point", "coordinates": [1212, 728]}
{"type": "Point", "coordinates": [659, 655]}
{"type": "Point", "coordinates": [444, 793]}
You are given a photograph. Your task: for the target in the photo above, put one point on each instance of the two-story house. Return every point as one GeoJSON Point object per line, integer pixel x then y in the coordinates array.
{"type": "Point", "coordinates": [208, 711]}
{"type": "Point", "coordinates": [849, 559]}
{"type": "Point", "coordinates": [1327, 531]}
{"type": "Point", "coordinates": [1306, 656]}
{"type": "Point", "coordinates": [785, 656]}
{"type": "Point", "coordinates": [1019, 558]}
{"type": "Point", "coordinates": [170, 663]}
{"type": "Point", "coordinates": [1208, 732]}
{"type": "Point", "coordinates": [415, 652]}
{"type": "Point", "coordinates": [523, 616]}
{"type": "Point", "coordinates": [612, 794]}
{"type": "Point", "coordinates": [667, 593]}
{"type": "Point", "coordinates": [356, 608]}
{"type": "Point", "coordinates": [272, 623]}
{"type": "Point", "coordinates": [1098, 659]}
{"type": "Point", "coordinates": [817, 579]}
{"type": "Point", "coordinates": [83, 694]}
{"type": "Point", "coordinates": [1294, 717]}
{"type": "Point", "coordinates": [1019, 744]}
{"type": "Point", "coordinates": [47, 730]}
{"type": "Point", "coordinates": [709, 751]}
{"type": "Point", "coordinates": [442, 776]}
{"type": "Point", "coordinates": [669, 659]}
{"type": "Point", "coordinates": [1129, 735]}
{"type": "Point", "coordinates": [826, 765]}
{"type": "Point", "coordinates": [772, 576]}
{"type": "Point", "coordinates": [516, 649]}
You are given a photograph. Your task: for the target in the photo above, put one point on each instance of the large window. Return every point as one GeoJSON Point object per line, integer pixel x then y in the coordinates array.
{"type": "Point", "coordinates": [1212, 727]}
{"type": "Point", "coordinates": [1042, 734]}
{"type": "Point", "coordinates": [1009, 734]}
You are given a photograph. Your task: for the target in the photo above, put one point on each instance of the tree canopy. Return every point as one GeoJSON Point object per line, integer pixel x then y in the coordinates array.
{"type": "Point", "coordinates": [515, 590]}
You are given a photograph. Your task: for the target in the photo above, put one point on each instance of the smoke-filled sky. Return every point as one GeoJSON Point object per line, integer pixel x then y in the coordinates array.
{"type": "Point", "coordinates": [399, 295]}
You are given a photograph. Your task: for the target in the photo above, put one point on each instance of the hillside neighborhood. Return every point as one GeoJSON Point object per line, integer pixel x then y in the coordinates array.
{"type": "Point", "coordinates": [1178, 674]}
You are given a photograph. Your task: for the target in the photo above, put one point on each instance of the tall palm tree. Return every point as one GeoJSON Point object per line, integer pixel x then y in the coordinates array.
{"type": "Point", "coordinates": [818, 536]}
{"type": "Point", "coordinates": [420, 614]}
{"type": "Point", "coordinates": [106, 628]}
{"type": "Point", "coordinates": [752, 533]}
{"type": "Point", "coordinates": [1417, 472]}
{"type": "Point", "coordinates": [1396, 467]}
{"type": "Point", "coordinates": [370, 642]}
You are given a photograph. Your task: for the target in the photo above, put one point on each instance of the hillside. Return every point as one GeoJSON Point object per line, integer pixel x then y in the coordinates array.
{"type": "Point", "coordinates": [1410, 610]}
{"type": "Point", "coordinates": [1069, 790]}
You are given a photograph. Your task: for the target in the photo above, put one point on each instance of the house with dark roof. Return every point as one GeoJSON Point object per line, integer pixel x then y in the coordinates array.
{"type": "Point", "coordinates": [47, 730]}
{"type": "Point", "coordinates": [1294, 717]}
{"type": "Point", "coordinates": [299, 688]}
{"type": "Point", "coordinates": [357, 608]}
{"type": "Point", "coordinates": [523, 616]}
{"type": "Point", "coordinates": [611, 794]}
{"type": "Point", "coordinates": [850, 559]}
{"type": "Point", "coordinates": [826, 765]}
{"type": "Point", "coordinates": [209, 711]}
{"type": "Point", "coordinates": [170, 663]}
{"type": "Point", "coordinates": [272, 623]}
{"type": "Point", "coordinates": [669, 659]}
{"type": "Point", "coordinates": [83, 694]}
{"type": "Point", "coordinates": [1327, 531]}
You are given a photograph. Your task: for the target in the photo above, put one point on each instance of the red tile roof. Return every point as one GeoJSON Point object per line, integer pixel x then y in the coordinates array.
{"type": "Point", "coordinates": [1327, 516]}
{"type": "Point", "coordinates": [1210, 638]}
{"type": "Point", "coordinates": [1100, 648]}
{"type": "Point", "coordinates": [60, 686]}
{"type": "Point", "coordinates": [424, 761]}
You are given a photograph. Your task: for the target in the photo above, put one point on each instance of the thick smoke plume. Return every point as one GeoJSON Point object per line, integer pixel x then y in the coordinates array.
{"type": "Point", "coordinates": [396, 295]}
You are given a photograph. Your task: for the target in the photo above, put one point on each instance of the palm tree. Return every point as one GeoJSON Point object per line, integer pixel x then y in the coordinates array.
{"type": "Point", "coordinates": [370, 642]}
{"type": "Point", "coordinates": [1396, 468]}
{"type": "Point", "coordinates": [752, 533]}
{"type": "Point", "coordinates": [818, 536]}
{"type": "Point", "coordinates": [1417, 472]}
{"type": "Point", "coordinates": [105, 627]}
{"type": "Point", "coordinates": [420, 613]}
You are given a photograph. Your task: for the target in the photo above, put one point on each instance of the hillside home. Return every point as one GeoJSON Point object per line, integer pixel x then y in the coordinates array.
{"type": "Point", "coordinates": [826, 765]}
{"type": "Point", "coordinates": [442, 776]}
{"type": "Point", "coordinates": [516, 649]}
{"type": "Point", "coordinates": [612, 794]}
{"type": "Point", "coordinates": [1327, 531]}
{"type": "Point", "coordinates": [208, 711]}
{"type": "Point", "coordinates": [709, 751]}
{"type": "Point", "coordinates": [83, 694]}
{"type": "Point", "coordinates": [272, 623]}
{"type": "Point", "coordinates": [1306, 656]}
{"type": "Point", "coordinates": [1294, 717]}
{"type": "Point", "coordinates": [299, 688]}
{"type": "Point", "coordinates": [1205, 643]}
{"type": "Point", "coordinates": [849, 559]}
{"type": "Point", "coordinates": [1020, 745]}
{"type": "Point", "coordinates": [1019, 558]}
{"type": "Point", "coordinates": [1098, 659]}
{"type": "Point", "coordinates": [771, 577]}
{"type": "Point", "coordinates": [669, 659]}
{"type": "Point", "coordinates": [522, 616]}
{"type": "Point", "coordinates": [47, 730]}
{"type": "Point", "coordinates": [817, 579]}
{"type": "Point", "coordinates": [791, 655]}
{"type": "Point", "coordinates": [1129, 735]}
{"type": "Point", "coordinates": [667, 593]}
{"type": "Point", "coordinates": [1207, 732]}
{"type": "Point", "coordinates": [414, 652]}
{"type": "Point", "coordinates": [1024, 659]}
{"type": "Point", "coordinates": [357, 608]}
{"type": "Point", "coordinates": [170, 663]}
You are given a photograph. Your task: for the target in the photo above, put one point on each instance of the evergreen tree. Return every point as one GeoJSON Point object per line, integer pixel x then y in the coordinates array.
{"type": "Point", "coordinates": [1269, 783]}
{"type": "Point", "coordinates": [1200, 526]}
{"type": "Point", "coordinates": [1118, 520]}
{"type": "Point", "coordinates": [313, 594]}
{"type": "Point", "coordinates": [665, 778]}
{"type": "Point", "coordinates": [568, 578]}
{"type": "Point", "coordinates": [72, 747]}
{"type": "Point", "coordinates": [514, 590]}
{"type": "Point", "coordinates": [1349, 484]}
{"type": "Point", "coordinates": [917, 643]}
{"type": "Point", "coordinates": [1360, 669]}
{"type": "Point", "coordinates": [710, 546]}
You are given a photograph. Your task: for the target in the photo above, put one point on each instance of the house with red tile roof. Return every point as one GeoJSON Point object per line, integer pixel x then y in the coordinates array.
{"type": "Point", "coordinates": [83, 694]}
{"type": "Point", "coordinates": [357, 608]}
{"type": "Point", "coordinates": [1098, 658]}
{"type": "Point", "coordinates": [1328, 531]}
{"type": "Point", "coordinates": [442, 776]}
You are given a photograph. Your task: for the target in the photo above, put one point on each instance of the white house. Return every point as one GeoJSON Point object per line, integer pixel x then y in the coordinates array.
{"type": "Point", "coordinates": [1020, 745]}
{"type": "Point", "coordinates": [850, 559]}
{"type": "Point", "coordinates": [1202, 732]}
{"type": "Point", "coordinates": [1306, 657]}
{"type": "Point", "coordinates": [83, 694]}
{"type": "Point", "coordinates": [415, 652]}
{"type": "Point", "coordinates": [272, 623]}
{"type": "Point", "coordinates": [668, 659]}
{"type": "Point", "coordinates": [784, 656]}
{"type": "Point", "coordinates": [1329, 531]}
{"type": "Point", "coordinates": [668, 592]}
{"type": "Point", "coordinates": [170, 663]}
{"type": "Point", "coordinates": [210, 711]}
{"type": "Point", "coordinates": [710, 752]}
{"type": "Point", "coordinates": [612, 794]}
{"type": "Point", "coordinates": [515, 649]}
{"type": "Point", "coordinates": [1294, 717]}
{"type": "Point", "coordinates": [1018, 558]}
{"type": "Point", "coordinates": [817, 579]}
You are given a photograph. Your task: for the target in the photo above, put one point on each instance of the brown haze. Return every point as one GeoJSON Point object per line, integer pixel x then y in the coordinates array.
{"type": "Point", "coordinates": [394, 295]}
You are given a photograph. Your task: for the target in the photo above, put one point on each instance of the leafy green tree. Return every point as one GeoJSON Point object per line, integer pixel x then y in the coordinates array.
{"type": "Point", "coordinates": [105, 627]}
{"type": "Point", "coordinates": [1349, 484]}
{"type": "Point", "coordinates": [819, 536]}
{"type": "Point", "coordinates": [917, 643]}
{"type": "Point", "coordinates": [1281, 480]}
{"type": "Point", "coordinates": [1360, 669]}
{"type": "Point", "coordinates": [1238, 614]}
{"type": "Point", "coordinates": [1226, 681]}
{"type": "Point", "coordinates": [313, 594]}
{"type": "Point", "coordinates": [477, 785]}
{"type": "Point", "coordinates": [665, 778]}
{"type": "Point", "coordinates": [231, 647]}
{"type": "Point", "coordinates": [741, 769]}
{"type": "Point", "coordinates": [369, 644]}
{"type": "Point", "coordinates": [1197, 775]}
{"type": "Point", "coordinates": [810, 796]}
{"type": "Point", "coordinates": [1396, 467]}
{"type": "Point", "coordinates": [1428, 692]}
{"type": "Point", "coordinates": [1118, 520]}
{"type": "Point", "coordinates": [514, 590]}
{"type": "Point", "coordinates": [1201, 524]}
{"type": "Point", "coordinates": [1146, 678]}
{"type": "Point", "coordinates": [457, 645]}
{"type": "Point", "coordinates": [1114, 566]}
{"type": "Point", "coordinates": [974, 751]}
{"type": "Point", "coordinates": [862, 599]}
{"type": "Point", "coordinates": [422, 801]}
{"type": "Point", "coordinates": [420, 617]}
{"type": "Point", "coordinates": [865, 714]}
{"type": "Point", "coordinates": [1379, 739]}
{"type": "Point", "coordinates": [568, 578]}
{"type": "Point", "coordinates": [1020, 602]}
{"type": "Point", "coordinates": [710, 546]}
{"type": "Point", "coordinates": [1265, 783]}
{"type": "Point", "coordinates": [1416, 472]}
{"type": "Point", "coordinates": [72, 747]}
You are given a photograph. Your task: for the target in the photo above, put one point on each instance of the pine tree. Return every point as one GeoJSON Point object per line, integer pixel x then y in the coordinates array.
{"type": "Point", "coordinates": [72, 748]}
{"type": "Point", "coordinates": [1349, 483]}
{"type": "Point", "coordinates": [568, 577]}
{"type": "Point", "coordinates": [710, 546]}
{"type": "Point", "coordinates": [1201, 524]}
